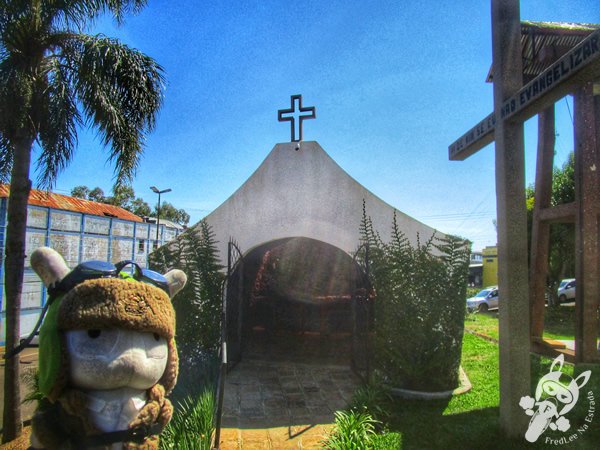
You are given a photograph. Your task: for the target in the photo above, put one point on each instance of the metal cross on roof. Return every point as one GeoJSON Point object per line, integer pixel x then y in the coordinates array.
{"type": "Point", "coordinates": [296, 116]}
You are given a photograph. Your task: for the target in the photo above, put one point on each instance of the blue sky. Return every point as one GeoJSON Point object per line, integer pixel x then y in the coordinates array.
{"type": "Point", "coordinates": [394, 83]}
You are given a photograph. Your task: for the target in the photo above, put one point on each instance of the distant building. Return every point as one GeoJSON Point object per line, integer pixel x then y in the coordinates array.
{"type": "Point", "coordinates": [490, 266]}
{"type": "Point", "coordinates": [476, 269]}
{"type": "Point", "coordinates": [168, 230]}
{"type": "Point", "coordinates": [80, 230]}
{"type": "Point", "coordinates": [476, 257]}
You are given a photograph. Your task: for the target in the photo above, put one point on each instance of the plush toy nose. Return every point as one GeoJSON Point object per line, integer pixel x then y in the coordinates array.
{"type": "Point", "coordinates": [111, 359]}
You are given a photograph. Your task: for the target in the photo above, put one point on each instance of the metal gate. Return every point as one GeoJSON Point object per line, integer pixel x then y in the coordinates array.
{"type": "Point", "coordinates": [362, 316]}
{"type": "Point", "coordinates": [231, 327]}
{"type": "Point", "coordinates": [233, 303]}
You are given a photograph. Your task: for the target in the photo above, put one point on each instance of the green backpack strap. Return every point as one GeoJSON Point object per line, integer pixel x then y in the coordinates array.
{"type": "Point", "coordinates": [50, 349]}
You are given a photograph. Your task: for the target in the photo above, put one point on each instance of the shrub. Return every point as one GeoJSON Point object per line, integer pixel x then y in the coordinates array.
{"type": "Point", "coordinates": [31, 380]}
{"type": "Point", "coordinates": [387, 441]}
{"type": "Point", "coordinates": [198, 305]}
{"type": "Point", "coordinates": [353, 430]}
{"type": "Point", "coordinates": [374, 398]}
{"type": "Point", "coordinates": [419, 307]}
{"type": "Point", "coordinates": [196, 376]}
{"type": "Point", "coordinates": [191, 427]}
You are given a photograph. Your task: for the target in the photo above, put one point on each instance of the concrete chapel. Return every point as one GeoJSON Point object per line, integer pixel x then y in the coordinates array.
{"type": "Point", "coordinates": [296, 227]}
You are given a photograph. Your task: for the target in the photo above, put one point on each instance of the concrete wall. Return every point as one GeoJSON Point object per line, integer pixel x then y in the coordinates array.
{"type": "Point", "coordinates": [303, 193]}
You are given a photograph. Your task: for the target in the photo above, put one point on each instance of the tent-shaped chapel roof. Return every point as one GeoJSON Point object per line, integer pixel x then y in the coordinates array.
{"type": "Point", "coordinates": [300, 191]}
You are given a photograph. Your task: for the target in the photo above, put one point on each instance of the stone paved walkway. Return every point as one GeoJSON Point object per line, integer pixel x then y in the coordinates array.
{"type": "Point", "coordinates": [282, 404]}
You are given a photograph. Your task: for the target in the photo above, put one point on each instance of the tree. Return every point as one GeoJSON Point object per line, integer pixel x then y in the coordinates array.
{"type": "Point", "coordinates": [169, 212]}
{"type": "Point", "coordinates": [97, 195]}
{"type": "Point", "coordinates": [80, 192]}
{"type": "Point", "coordinates": [84, 192]}
{"type": "Point", "coordinates": [561, 262]}
{"type": "Point", "coordinates": [140, 208]}
{"type": "Point", "coordinates": [122, 196]}
{"type": "Point", "coordinates": [54, 78]}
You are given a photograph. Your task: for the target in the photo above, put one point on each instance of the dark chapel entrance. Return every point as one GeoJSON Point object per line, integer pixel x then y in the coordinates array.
{"type": "Point", "coordinates": [298, 300]}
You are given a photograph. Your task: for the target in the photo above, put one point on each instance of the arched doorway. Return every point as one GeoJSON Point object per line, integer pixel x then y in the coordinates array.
{"type": "Point", "coordinates": [295, 299]}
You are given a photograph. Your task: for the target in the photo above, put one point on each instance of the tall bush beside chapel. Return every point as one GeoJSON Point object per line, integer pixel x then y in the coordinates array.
{"type": "Point", "coordinates": [419, 307]}
{"type": "Point", "coordinates": [198, 305]}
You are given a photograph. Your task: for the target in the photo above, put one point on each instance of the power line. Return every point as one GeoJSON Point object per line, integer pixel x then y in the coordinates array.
{"type": "Point", "coordinates": [459, 215]}
{"type": "Point", "coordinates": [569, 109]}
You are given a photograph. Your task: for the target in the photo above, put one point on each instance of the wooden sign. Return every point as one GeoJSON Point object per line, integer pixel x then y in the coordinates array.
{"type": "Point", "coordinates": [581, 63]}
{"type": "Point", "coordinates": [473, 140]}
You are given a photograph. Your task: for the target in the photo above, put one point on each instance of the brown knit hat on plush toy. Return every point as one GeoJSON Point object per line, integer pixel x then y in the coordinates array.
{"type": "Point", "coordinates": [103, 303]}
{"type": "Point", "coordinates": [109, 303]}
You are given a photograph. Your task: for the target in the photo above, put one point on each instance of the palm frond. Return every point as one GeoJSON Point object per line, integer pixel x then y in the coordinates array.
{"type": "Point", "coordinates": [6, 159]}
{"type": "Point", "coordinates": [79, 14]}
{"type": "Point", "coordinates": [16, 93]}
{"type": "Point", "coordinates": [9, 9]}
{"type": "Point", "coordinates": [121, 91]}
{"type": "Point", "coordinates": [58, 125]}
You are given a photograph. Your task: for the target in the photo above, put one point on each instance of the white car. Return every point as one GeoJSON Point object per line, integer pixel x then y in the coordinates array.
{"type": "Point", "coordinates": [484, 300]}
{"type": "Point", "coordinates": [566, 290]}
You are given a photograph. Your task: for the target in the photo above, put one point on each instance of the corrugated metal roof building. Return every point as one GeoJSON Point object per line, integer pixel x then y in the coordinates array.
{"type": "Point", "coordinates": [80, 230]}
{"type": "Point", "coordinates": [542, 43]}
{"type": "Point", "coordinates": [64, 202]}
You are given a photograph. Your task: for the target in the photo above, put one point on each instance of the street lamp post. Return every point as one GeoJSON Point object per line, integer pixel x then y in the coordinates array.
{"type": "Point", "coordinates": [155, 190]}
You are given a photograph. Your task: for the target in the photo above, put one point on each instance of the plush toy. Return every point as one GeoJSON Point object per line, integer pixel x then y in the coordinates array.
{"type": "Point", "coordinates": [107, 355]}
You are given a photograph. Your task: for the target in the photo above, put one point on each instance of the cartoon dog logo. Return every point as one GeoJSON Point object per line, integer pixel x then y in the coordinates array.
{"type": "Point", "coordinates": [555, 395]}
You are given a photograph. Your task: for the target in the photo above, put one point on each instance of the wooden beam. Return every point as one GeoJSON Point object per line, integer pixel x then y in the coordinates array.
{"type": "Point", "coordinates": [579, 65]}
{"type": "Point", "coordinates": [587, 242]}
{"type": "Point", "coordinates": [540, 229]}
{"type": "Point", "coordinates": [473, 140]}
{"type": "Point", "coordinates": [564, 213]}
{"type": "Point", "coordinates": [514, 333]}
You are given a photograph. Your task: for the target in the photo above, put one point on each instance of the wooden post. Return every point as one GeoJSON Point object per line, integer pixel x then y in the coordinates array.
{"type": "Point", "coordinates": [512, 222]}
{"type": "Point", "coordinates": [540, 229]}
{"type": "Point", "coordinates": [587, 198]}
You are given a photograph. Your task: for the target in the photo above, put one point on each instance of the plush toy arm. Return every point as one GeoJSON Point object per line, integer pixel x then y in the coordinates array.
{"type": "Point", "coordinates": [54, 425]}
{"type": "Point", "coordinates": [166, 412]}
{"type": "Point", "coordinates": [159, 410]}
{"type": "Point", "coordinates": [150, 413]}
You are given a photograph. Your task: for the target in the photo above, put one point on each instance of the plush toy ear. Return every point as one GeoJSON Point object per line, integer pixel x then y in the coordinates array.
{"type": "Point", "coordinates": [559, 360]}
{"type": "Point", "coordinates": [176, 279]}
{"type": "Point", "coordinates": [49, 265]}
{"type": "Point", "coordinates": [582, 379]}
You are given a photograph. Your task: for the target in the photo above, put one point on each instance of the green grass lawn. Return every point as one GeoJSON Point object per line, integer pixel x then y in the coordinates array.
{"type": "Point", "coordinates": [559, 323]}
{"type": "Point", "coordinates": [471, 420]}
{"type": "Point", "coordinates": [483, 323]}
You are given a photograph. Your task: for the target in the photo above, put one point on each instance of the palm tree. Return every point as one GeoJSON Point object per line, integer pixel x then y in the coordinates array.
{"type": "Point", "coordinates": [54, 78]}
